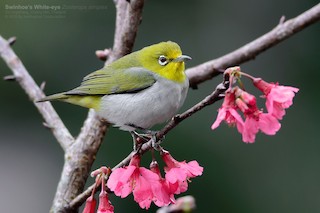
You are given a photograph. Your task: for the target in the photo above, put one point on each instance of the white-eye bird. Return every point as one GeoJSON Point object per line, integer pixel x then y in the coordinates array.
{"type": "Point", "coordinates": [137, 91]}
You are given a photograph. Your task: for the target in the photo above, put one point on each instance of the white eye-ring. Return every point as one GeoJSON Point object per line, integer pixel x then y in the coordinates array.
{"type": "Point", "coordinates": [163, 60]}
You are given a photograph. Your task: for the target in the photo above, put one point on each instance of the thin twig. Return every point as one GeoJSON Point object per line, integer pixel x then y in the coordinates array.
{"type": "Point", "coordinates": [282, 31]}
{"type": "Point", "coordinates": [10, 78]}
{"type": "Point", "coordinates": [216, 95]}
{"type": "Point", "coordinates": [12, 40]}
{"type": "Point", "coordinates": [34, 92]}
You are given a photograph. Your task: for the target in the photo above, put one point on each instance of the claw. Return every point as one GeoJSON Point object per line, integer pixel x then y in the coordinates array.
{"type": "Point", "coordinates": [136, 140]}
{"type": "Point", "coordinates": [148, 135]}
{"type": "Point", "coordinates": [139, 139]}
{"type": "Point", "coordinates": [155, 143]}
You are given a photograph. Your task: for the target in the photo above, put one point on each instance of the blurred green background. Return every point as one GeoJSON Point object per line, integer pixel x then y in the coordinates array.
{"type": "Point", "coordinates": [275, 174]}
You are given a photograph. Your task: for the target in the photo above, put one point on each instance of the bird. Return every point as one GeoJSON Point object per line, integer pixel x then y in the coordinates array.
{"type": "Point", "coordinates": [137, 91]}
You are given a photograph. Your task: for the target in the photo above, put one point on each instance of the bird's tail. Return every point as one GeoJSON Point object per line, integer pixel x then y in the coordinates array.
{"type": "Point", "coordinates": [87, 101]}
{"type": "Point", "coordinates": [56, 97]}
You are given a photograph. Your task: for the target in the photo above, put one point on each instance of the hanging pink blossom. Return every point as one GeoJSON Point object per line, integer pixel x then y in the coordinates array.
{"type": "Point", "coordinates": [255, 119]}
{"type": "Point", "coordinates": [278, 97]}
{"type": "Point", "coordinates": [90, 205]}
{"type": "Point", "coordinates": [135, 179]}
{"type": "Point", "coordinates": [104, 204]}
{"type": "Point", "coordinates": [163, 195]}
{"type": "Point", "coordinates": [177, 173]}
{"type": "Point", "coordinates": [228, 112]}
{"type": "Point", "coordinates": [237, 100]}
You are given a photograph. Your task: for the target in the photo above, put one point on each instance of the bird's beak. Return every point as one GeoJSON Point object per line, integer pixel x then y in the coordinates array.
{"type": "Point", "coordinates": [182, 58]}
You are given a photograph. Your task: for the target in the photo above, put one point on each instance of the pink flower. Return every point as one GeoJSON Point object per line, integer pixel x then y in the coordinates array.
{"type": "Point", "coordinates": [148, 185]}
{"type": "Point", "coordinates": [162, 193]}
{"type": "Point", "coordinates": [133, 179]}
{"type": "Point", "coordinates": [143, 193]}
{"type": "Point", "coordinates": [255, 119]}
{"type": "Point", "coordinates": [177, 173]}
{"type": "Point", "coordinates": [228, 112]}
{"type": "Point", "coordinates": [90, 205]}
{"type": "Point", "coordinates": [104, 204]}
{"type": "Point", "coordinates": [278, 97]}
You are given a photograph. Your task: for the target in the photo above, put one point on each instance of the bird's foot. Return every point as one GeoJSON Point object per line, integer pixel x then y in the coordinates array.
{"type": "Point", "coordinates": [138, 140]}
{"type": "Point", "coordinates": [141, 138]}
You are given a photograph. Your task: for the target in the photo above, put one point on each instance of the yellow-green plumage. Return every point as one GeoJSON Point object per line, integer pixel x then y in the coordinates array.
{"type": "Point", "coordinates": [142, 77]}
{"type": "Point", "coordinates": [87, 101]}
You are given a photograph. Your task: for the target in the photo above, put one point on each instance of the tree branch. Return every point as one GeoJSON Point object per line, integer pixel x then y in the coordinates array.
{"type": "Point", "coordinates": [78, 161]}
{"type": "Point", "coordinates": [284, 30]}
{"type": "Point", "coordinates": [21, 75]}
{"type": "Point", "coordinates": [128, 18]}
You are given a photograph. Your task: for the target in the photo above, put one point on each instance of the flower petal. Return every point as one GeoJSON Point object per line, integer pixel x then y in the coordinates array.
{"type": "Point", "coordinates": [250, 129]}
{"type": "Point", "coordinates": [193, 168]}
{"type": "Point", "coordinates": [120, 181]}
{"type": "Point", "coordinates": [142, 192]}
{"type": "Point", "coordinates": [104, 204]}
{"type": "Point", "coordinates": [90, 205]}
{"type": "Point", "coordinates": [268, 124]}
{"type": "Point", "coordinates": [175, 175]}
{"type": "Point", "coordinates": [220, 117]}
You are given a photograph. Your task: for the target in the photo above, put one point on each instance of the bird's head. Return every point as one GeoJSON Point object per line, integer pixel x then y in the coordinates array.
{"type": "Point", "coordinates": [165, 59]}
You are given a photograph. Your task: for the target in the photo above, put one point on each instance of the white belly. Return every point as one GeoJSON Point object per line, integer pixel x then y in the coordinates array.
{"type": "Point", "coordinates": [144, 109]}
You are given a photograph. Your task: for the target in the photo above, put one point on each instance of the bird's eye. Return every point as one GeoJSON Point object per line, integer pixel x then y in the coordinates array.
{"type": "Point", "coordinates": [162, 60]}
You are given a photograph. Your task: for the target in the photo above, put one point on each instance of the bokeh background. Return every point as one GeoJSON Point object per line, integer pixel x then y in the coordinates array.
{"type": "Point", "coordinates": [275, 174]}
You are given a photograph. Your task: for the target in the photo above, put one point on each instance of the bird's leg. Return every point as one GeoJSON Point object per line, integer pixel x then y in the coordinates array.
{"type": "Point", "coordinates": [136, 140]}
{"type": "Point", "coordinates": [146, 136]}
{"type": "Point", "coordinates": [139, 139]}
{"type": "Point", "coordinates": [152, 135]}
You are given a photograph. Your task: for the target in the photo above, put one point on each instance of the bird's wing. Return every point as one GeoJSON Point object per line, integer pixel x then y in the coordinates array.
{"type": "Point", "coordinates": [114, 81]}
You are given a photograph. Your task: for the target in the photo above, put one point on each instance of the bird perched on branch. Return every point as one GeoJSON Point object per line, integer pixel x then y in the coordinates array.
{"type": "Point", "coordinates": [137, 91]}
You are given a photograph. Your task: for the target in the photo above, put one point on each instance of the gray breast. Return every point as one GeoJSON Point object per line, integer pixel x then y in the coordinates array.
{"type": "Point", "coordinates": [144, 109]}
